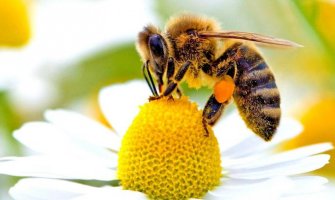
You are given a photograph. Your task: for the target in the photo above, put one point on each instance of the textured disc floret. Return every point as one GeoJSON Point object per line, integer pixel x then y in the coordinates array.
{"type": "Point", "coordinates": [166, 154]}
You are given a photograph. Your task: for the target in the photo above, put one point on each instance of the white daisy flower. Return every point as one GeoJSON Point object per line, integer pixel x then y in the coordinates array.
{"type": "Point", "coordinates": [158, 151]}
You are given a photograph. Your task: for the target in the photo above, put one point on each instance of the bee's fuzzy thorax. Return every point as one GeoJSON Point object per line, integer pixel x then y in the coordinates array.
{"type": "Point", "coordinates": [181, 23]}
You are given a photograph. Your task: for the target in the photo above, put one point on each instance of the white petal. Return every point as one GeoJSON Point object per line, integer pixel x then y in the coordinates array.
{"type": "Point", "coordinates": [84, 128]}
{"type": "Point", "coordinates": [46, 138]}
{"type": "Point", "coordinates": [280, 169]}
{"type": "Point", "coordinates": [266, 189]}
{"type": "Point", "coordinates": [48, 189]}
{"type": "Point", "coordinates": [231, 130]}
{"type": "Point", "coordinates": [283, 157]}
{"type": "Point", "coordinates": [108, 193]}
{"type": "Point", "coordinates": [120, 103]}
{"type": "Point", "coordinates": [56, 167]}
{"type": "Point", "coordinates": [321, 195]}
{"type": "Point", "coordinates": [252, 144]}
{"type": "Point", "coordinates": [326, 192]}
{"type": "Point", "coordinates": [307, 184]}
{"type": "Point", "coordinates": [274, 188]}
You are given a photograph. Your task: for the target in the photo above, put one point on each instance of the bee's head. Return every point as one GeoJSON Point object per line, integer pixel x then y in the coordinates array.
{"type": "Point", "coordinates": [152, 47]}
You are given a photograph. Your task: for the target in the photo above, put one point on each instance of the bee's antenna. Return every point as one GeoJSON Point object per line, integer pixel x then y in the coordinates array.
{"type": "Point", "coordinates": [150, 82]}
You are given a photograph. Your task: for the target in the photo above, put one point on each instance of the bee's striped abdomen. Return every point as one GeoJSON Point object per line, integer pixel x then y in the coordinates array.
{"type": "Point", "coordinates": [256, 93]}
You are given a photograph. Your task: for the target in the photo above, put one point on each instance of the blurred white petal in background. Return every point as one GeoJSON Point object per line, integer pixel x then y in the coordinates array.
{"type": "Point", "coordinates": [62, 32]}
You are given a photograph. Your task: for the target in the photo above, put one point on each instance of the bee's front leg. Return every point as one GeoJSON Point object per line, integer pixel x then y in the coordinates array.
{"type": "Point", "coordinates": [173, 83]}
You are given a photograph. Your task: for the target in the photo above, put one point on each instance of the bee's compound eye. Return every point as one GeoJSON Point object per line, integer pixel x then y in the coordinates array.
{"type": "Point", "coordinates": [156, 45]}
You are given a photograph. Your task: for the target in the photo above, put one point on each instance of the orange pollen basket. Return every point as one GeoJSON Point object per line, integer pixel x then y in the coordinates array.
{"type": "Point", "coordinates": [223, 90]}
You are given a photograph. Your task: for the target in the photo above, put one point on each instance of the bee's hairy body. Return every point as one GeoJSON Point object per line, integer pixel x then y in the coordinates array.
{"type": "Point", "coordinates": [202, 61]}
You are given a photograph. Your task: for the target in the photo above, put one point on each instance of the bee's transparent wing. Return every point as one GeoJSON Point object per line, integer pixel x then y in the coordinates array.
{"type": "Point", "coordinates": [251, 37]}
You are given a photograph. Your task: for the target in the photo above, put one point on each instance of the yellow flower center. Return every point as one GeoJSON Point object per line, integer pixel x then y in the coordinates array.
{"type": "Point", "coordinates": [14, 22]}
{"type": "Point", "coordinates": [165, 152]}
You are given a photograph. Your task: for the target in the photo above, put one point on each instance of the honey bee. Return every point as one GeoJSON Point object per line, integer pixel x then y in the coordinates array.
{"type": "Point", "coordinates": [194, 49]}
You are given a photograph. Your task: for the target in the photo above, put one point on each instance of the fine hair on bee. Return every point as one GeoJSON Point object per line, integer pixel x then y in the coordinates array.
{"type": "Point", "coordinates": [194, 49]}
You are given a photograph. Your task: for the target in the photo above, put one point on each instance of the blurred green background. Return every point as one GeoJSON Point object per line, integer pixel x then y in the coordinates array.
{"type": "Point", "coordinates": [60, 53]}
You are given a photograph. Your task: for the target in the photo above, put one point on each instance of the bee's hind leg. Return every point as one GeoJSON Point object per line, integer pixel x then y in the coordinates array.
{"type": "Point", "coordinates": [212, 112]}
{"type": "Point", "coordinates": [173, 82]}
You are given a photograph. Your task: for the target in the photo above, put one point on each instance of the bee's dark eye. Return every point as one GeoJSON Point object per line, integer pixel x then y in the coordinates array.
{"type": "Point", "coordinates": [159, 52]}
{"type": "Point", "coordinates": [156, 45]}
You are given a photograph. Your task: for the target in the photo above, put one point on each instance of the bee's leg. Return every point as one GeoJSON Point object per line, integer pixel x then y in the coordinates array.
{"type": "Point", "coordinates": [223, 90]}
{"type": "Point", "coordinates": [159, 78]}
{"type": "Point", "coordinates": [178, 77]}
{"type": "Point", "coordinates": [170, 73]}
{"type": "Point", "coordinates": [174, 82]}
{"type": "Point", "coordinates": [170, 69]}
{"type": "Point", "coordinates": [212, 111]}
{"type": "Point", "coordinates": [179, 92]}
